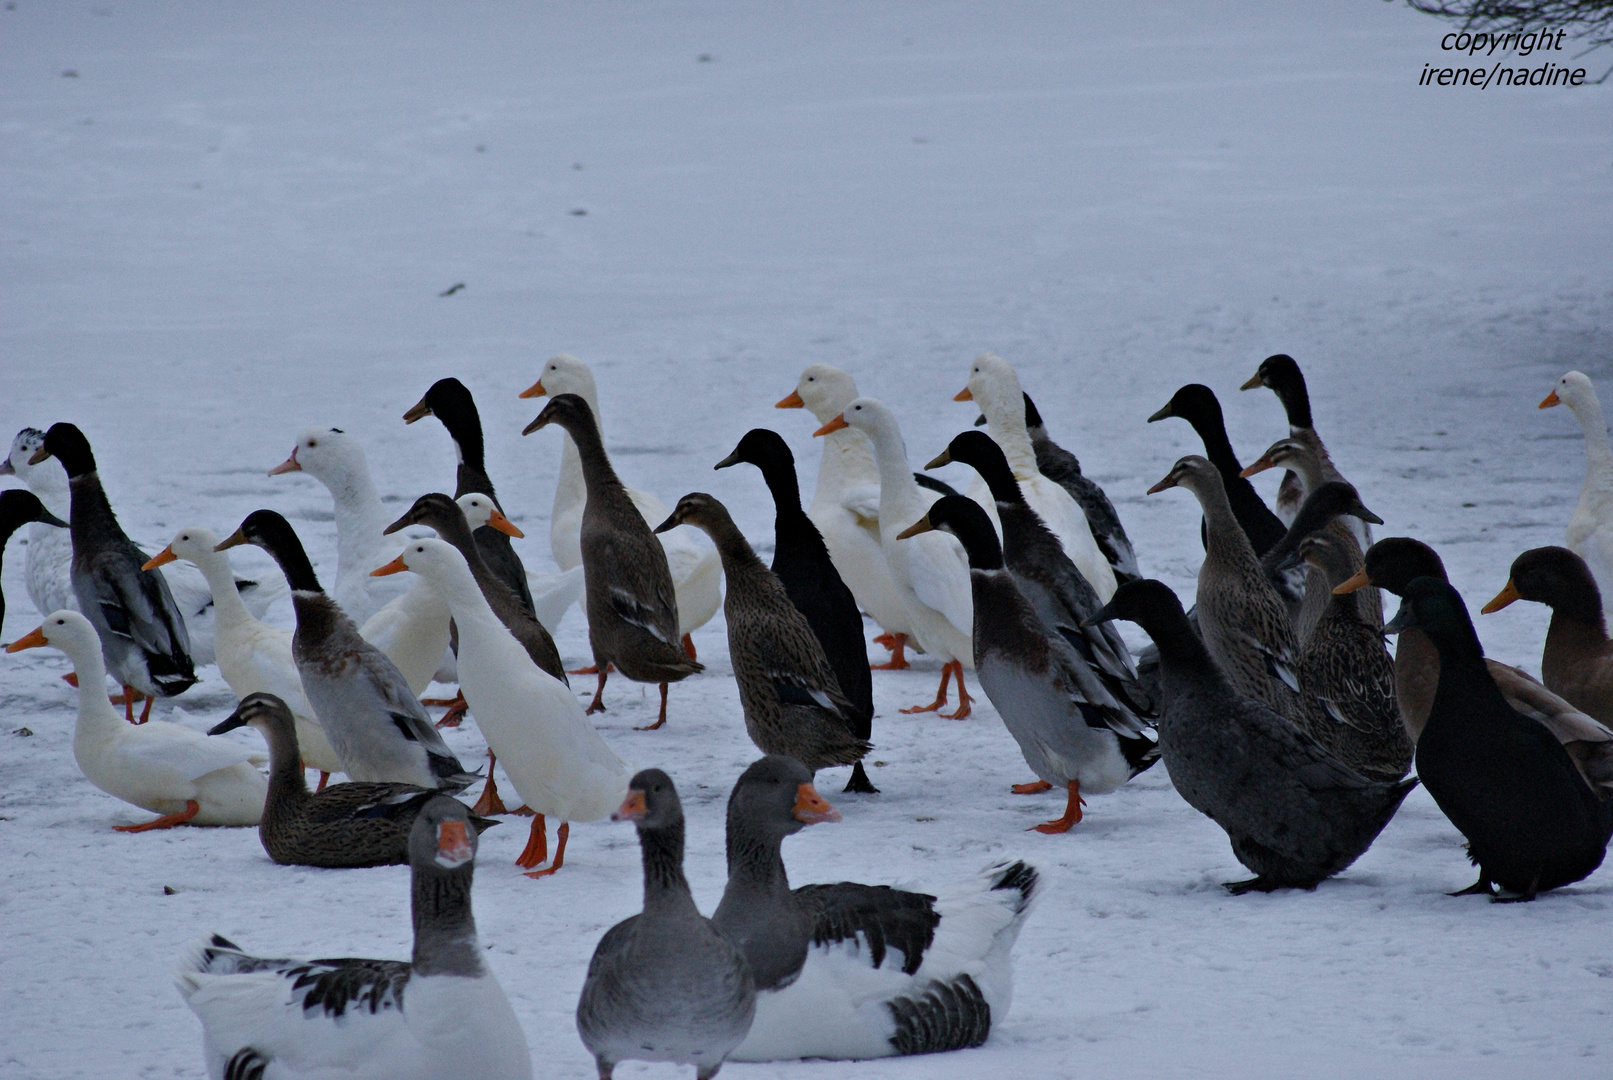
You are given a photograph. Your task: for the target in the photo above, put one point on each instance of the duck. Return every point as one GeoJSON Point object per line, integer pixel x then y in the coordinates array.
{"type": "Point", "coordinates": [1590, 528]}
{"type": "Point", "coordinates": [440, 1015]}
{"type": "Point", "coordinates": [696, 571]}
{"type": "Point", "coordinates": [344, 825]}
{"type": "Point", "coordinates": [552, 594]}
{"type": "Point", "coordinates": [143, 635]}
{"type": "Point", "coordinates": [845, 508]}
{"type": "Point", "coordinates": [1074, 734]}
{"type": "Point", "coordinates": [159, 766]}
{"type": "Point", "coordinates": [1531, 822]}
{"type": "Point", "coordinates": [1325, 509]}
{"type": "Point", "coordinates": [1280, 373]}
{"type": "Point", "coordinates": [334, 458]}
{"type": "Point", "coordinates": [553, 756]}
{"type": "Point", "coordinates": [1060, 594]}
{"type": "Point", "coordinates": [632, 605]}
{"type": "Point", "coordinates": [1064, 469]}
{"type": "Point", "coordinates": [50, 555]}
{"type": "Point", "coordinates": [414, 630]}
{"type": "Point", "coordinates": [1344, 664]}
{"type": "Point", "coordinates": [994, 386]}
{"type": "Point", "coordinates": [19, 508]}
{"type": "Point", "coordinates": [253, 657]}
{"type": "Point", "coordinates": [931, 571]}
{"type": "Point", "coordinates": [787, 689]}
{"type": "Point", "coordinates": [1198, 405]}
{"type": "Point", "coordinates": [665, 984]}
{"type": "Point", "coordinates": [376, 724]}
{"type": "Point", "coordinates": [803, 565]}
{"type": "Point", "coordinates": [849, 971]}
{"type": "Point", "coordinates": [1294, 813]}
{"type": "Point", "coordinates": [450, 401]}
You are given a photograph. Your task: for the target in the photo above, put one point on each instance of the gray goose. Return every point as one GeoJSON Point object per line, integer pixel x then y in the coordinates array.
{"type": "Point", "coordinates": [850, 971]}
{"type": "Point", "coordinates": [377, 727]}
{"type": "Point", "coordinates": [664, 985]}
{"type": "Point", "coordinates": [790, 696]}
{"type": "Point", "coordinates": [1294, 813]}
{"type": "Point", "coordinates": [353, 824]}
{"type": "Point", "coordinates": [1344, 664]}
{"type": "Point", "coordinates": [632, 609]}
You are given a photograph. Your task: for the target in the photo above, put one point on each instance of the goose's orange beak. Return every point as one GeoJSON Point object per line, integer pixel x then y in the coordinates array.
{"type": "Point", "coordinates": [504, 525]}
{"type": "Point", "coordinates": [1507, 595]}
{"type": "Point", "coordinates": [32, 640]}
{"type": "Point", "coordinates": [1359, 581]}
{"type": "Point", "coordinates": [162, 558]}
{"type": "Point", "coordinates": [535, 390]}
{"type": "Point", "coordinates": [1259, 466]}
{"type": "Point", "coordinates": [1551, 399]}
{"type": "Point", "coordinates": [792, 402]}
{"type": "Point", "coordinates": [834, 425]}
{"type": "Point", "coordinates": [963, 395]}
{"type": "Point", "coordinates": [632, 808]}
{"type": "Point", "coordinates": [453, 846]}
{"type": "Point", "coordinates": [811, 807]}
{"type": "Point", "coordinates": [394, 567]}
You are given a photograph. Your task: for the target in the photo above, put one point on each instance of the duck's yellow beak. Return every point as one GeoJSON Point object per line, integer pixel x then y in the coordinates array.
{"type": "Point", "coordinates": [792, 402]}
{"type": "Point", "coordinates": [535, 390]}
{"type": "Point", "coordinates": [963, 395]}
{"type": "Point", "coordinates": [1254, 381]}
{"type": "Point", "coordinates": [235, 539]}
{"type": "Point", "coordinates": [394, 567]}
{"type": "Point", "coordinates": [1359, 581]}
{"type": "Point", "coordinates": [922, 525]}
{"type": "Point", "coordinates": [811, 807]}
{"type": "Point", "coordinates": [162, 558]}
{"type": "Point", "coordinates": [1507, 595]}
{"type": "Point", "coordinates": [1259, 466]}
{"type": "Point", "coordinates": [504, 525]}
{"type": "Point", "coordinates": [834, 425]}
{"type": "Point", "coordinates": [1551, 399]}
{"type": "Point", "coordinates": [33, 640]}
{"type": "Point", "coordinates": [420, 409]}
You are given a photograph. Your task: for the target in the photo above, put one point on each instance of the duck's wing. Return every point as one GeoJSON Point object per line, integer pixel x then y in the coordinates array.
{"type": "Point", "coordinates": [378, 678]}
{"type": "Point", "coordinates": [862, 503]}
{"type": "Point", "coordinates": [162, 747]}
{"type": "Point", "coordinates": [939, 572]}
{"type": "Point", "coordinates": [798, 677]}
{"type": "Point", "coordinates": [641, 590]}
{"type": "Point", "coordinates": [137, 605]}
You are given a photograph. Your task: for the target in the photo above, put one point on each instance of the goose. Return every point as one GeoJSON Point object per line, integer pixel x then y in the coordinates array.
{"type": "Point", "coordinates": [788, 692]}
{"type": "Point", "coordinates": [50, 555]}
{"type": "Point", "coordinates": [802, 562]}
{"type": "Point", "coordinates": [845, 508]}
{"type": "Point", "coordinates": [19, 508]}
{"type": "Point", "coordinates": [1294, 813]}
{"type": "Point", "coordinates": [1073, 733]}
{"type": "Point", "coordinates": [551, 753]}
{"type": "Point", "coordinates": [344, 825]}
{"type": "Point", "coordinates": [1282, 376]}
{"type": "Point", "coordinates": [994, 386]}
{"type": "Point", "coordinates": [696, 571]}
{"type": "Point", "coordinates": [1531, 821]}
{"type": "Point", "coordinates": [632, 608]}
{"type": "Point", "coordinates": [159, 766]}
{"type": "Point", "coordinates": [1197, 404]}
{"type": "Point", "coordinates": [253, 657]}
{"type": "Point", "coordinates": [378, 727]}
{"type": "Point", "coordinates": [931, 571]}
{"type": "Point", "coordinates": [849, 971]}
{"type": "Point", "coordinates": [440, 1015]}
{"type": "Point", "coordinates": [143, 635]}
{"type": "Point", "coordinates": [1590, 528]}
{"type": "Point", "coordinates": [665, 984]}
{"type": "Point", "coordinates": [1064, 469]}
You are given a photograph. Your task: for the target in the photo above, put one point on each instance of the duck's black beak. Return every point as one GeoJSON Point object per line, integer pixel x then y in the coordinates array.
{"type": "Point", "coordinates": [229, 723]}
{"type": "Point", "coordinates": [731, 459]}
{"type": "Point", "coordinates": [1364, 514]}
{"type": "Point", "coordinates": [1404, 619]}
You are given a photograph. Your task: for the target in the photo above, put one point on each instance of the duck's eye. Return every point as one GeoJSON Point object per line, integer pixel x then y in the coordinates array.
{"type": "Point", "coordinates": [312, 443]}
{"type": "Point", "coordinates": [812, 378]}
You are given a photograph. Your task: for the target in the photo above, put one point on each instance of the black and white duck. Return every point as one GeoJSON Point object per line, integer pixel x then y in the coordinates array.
{"type": "Point", "coordinates": [632, 607]}
{"type": "Point", "coordinates": [802, 563]}
{"type": "Point", "coordinates": [19, 508]}
{"type": "Point", "coordinates": [850, 971]}
{"type": "Point", "coordinates": [440, 1015]}
{"type": "Point", "coordinates": [666, 984]}
{"type": "Point", "coordinates": [1531, 821]}
{"type": "Point", "coordinates": [1072, 731]}
{"type": "Point", "coordinates": [1294, 813]}
{"type": "Point", "coordinates": [1063, 468]}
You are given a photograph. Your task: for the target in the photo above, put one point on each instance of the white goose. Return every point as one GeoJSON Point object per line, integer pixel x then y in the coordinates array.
{"type": "Point", "coordinates": [1590, 529]}
{"type": "Point", "coordinates": [253, 656]}
{"type": "Point", "coordinates": [931, 570]}
{"type": "Point", "coordinates": [994, 386]}
{"type": "Point", "coordinates": [159, 766]}
{"type": "Point", "coordinates": [553, 756]}
{"type": "Point", "coordinates": [696, 569]}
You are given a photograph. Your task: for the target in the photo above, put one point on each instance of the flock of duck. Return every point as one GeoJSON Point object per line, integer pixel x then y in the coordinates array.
{"type": "Point", "coordinates": [1274, 703]}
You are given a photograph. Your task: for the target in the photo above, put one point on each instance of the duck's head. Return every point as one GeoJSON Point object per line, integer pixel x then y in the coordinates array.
{"type": "Point", "coordinates": [1574, 390]}
{"type": "Point", "coordinates": [698, 509]}
{"type": "Point", "coordinates": [761, 447]}
{"type": "Point", "coordinates": [652, 801]}
{"type": "Point", "coordinates": [1276, 372]}
{"type": "Point", "coordinates": [446, 399]}
{"type": "Point", "coordinates": [1553, 576]}
{"type": "Point", "coordinates": [564, 374]}
{"type": "Point", "coordinates": [479, 510]}
{"type": "Point", "coordinates": [823, 390]}
{"type": "Point", "coordinates": [865, 414]}
{"type": "Point", "coordinates": [994, 386]}
{"type": "Point", "coordinates": [1392, 563]}
{"type": "Point", "coordinates": [981, 452]}
{"type": "Point", "coordinates": [434, 510]}
{"type": "Point", "coordinates": [775, 795]}
{"type": "Point", "coordinates": [325, 453]}
{"type": "Point", "coordinates": [262, 711]}
{"type": "Point", "coordinates": [1149, 603]}
{"type": "Point", "coordinates": [1285, 453]}
{"type": "Point", "coordinates": [64, 630]}
{"type": "Point", "coordinates": [429, 557]}
{"type": "Point", "coordinates": [963, 518]}
{"type": "Point", "coordinates": [67, 444]}
{"type": "Point", "coordinates": [442, 839]}
{"type": "Point", "coordinates": [570, 411]}
{"type": "Point", "coordinates": [193, 545]}
{"type": "Point", "coordinates": [1195, 403]}
{"type": "Point", "coordinates": [1192, 472]}
{"type": "Point", "coordinates": [18, 507]}
{"type": "Point", "coordinates": [48, 476]}
{"type": "Point", "coordinates": [261, 528]}
{"type": "Point", "coordinates": [1334, 499]}
{"type": "Point", "coordinates": [1436, 608]}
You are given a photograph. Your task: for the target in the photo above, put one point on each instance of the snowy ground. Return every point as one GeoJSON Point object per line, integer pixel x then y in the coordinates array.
{"type": "Point", "coordinates": [224, 223]}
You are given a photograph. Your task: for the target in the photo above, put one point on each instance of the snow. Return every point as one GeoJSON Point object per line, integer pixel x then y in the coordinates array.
{"type": "Point", "coordinates": [234, 221]}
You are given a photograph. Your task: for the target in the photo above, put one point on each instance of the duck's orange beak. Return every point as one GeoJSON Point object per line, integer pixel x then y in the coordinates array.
{"type": "Point", "coordinates": [32, 640]}
{"type": "Point", "coordinates": [792, 402]}
{"type": "Point", "coordinates": [811, 807]}
{"type": "Point", "coordinates": [1359, 581]}
{"type": "Point", "coordinates": [1259, 466]}
{"type": "Point", "coordinates": [834, 425]}
{"type": "Point", "coordinates": [420, 409]}
{"type": "Point", "coordinates": [1551, 399]}
{"type": "Point", "coordinates": [963, 395]}
{"type": "Point", "coordinates": [394, 567]}
{"type": "Point", "coordinates": [288, 465]}
{"type": "Point", "coordinates": [632, 808]}
{"type": "Point", "coordinates": [1507, 595]}
{"type": "Point", "coordinates": [1161, 486]}
{"type": "Point", "coordinates": [504, 525]}
{"type": "Point", "coordinates": [535, 390]}
{"type": "Point", "coordinates": [162, 558]}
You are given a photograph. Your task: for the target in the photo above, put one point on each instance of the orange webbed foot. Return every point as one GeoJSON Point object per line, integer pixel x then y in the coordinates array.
{"type": "Point", "coordinates": [167, 821]}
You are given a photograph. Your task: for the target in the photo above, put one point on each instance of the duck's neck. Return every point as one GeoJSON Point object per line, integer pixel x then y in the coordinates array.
{"type": "Point", "coordinates": [229, 610]}
{"type": "Point", "coordinates": [1185, 664]}
{"type": "Point", "coordinates": [595, 468]}
{"type": "Point", "coordinates": [1466, 686]}
{"type": "Point", "coordinates": [91, 514]}
{"type": "Point", "coordinates": [455, 530]}
{"type": "Point", "coordinates": [1225, 541]}
{"type": "Point", "coordinates": [1000, 479]}
{"type": "Point", "coordinates": [788, 517]}
{"type": "Point", "coordinates": [97, 719]}
{"type": "Point", "coordinates": [666, 891]}
{"type": "Point", "coordinates": [1006, 420]}
{"type": "Point", "coordinates": [360, 520]}
{"type": "Point", "coordinates": [458, 588]}
{"type": "Point", "coordinates": [444, 929]}
{"type": "Point", "coordinates": [1577, 630]}
{"type": "Point", "coordinates": [285, 761]}
{"type": "Point", "coordinates": [1212, 430]}
{"type": "Point", "coordinates": [571, 488]}
{"type": "Point", "coordinates": [1598, 454]}
{"type": "Point", "coordinates": [293, 562]}
{"type": "Point", "coordinates": [898, 492]}
{"type": "Point", "coordinates": [736, 553]}
{"type": "Point", "coordinates": [848, 462]}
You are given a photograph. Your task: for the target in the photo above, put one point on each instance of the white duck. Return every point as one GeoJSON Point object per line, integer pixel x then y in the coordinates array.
{"type": "Point", "coordinates": [696, 569]}
{"type": "Point", "coordinates": [845, 507]}
{"type": "Point", "coordinates": [553, 756]}
{"type": "Point", "coordinates": [994, 386]}
{"type": "Point", "coordinates": [1590, 529]}
{"type": "Point", "coordinates": [931, 570]}
{"type": "Point", "coordinates": [552, 594]}
{"type": "Point", "coordinates": [253, 657]}
{"type": "Point", "coordinates": [159, 766]}
{"type": "Point", "coordinates": [50, 555]}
